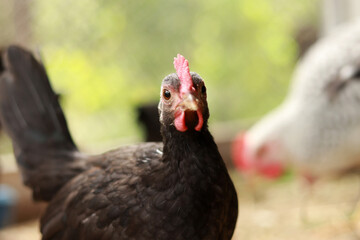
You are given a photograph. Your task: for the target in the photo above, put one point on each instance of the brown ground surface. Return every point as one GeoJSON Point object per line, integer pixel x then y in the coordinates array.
{"type": "Point", "coordinates": [276, 213]}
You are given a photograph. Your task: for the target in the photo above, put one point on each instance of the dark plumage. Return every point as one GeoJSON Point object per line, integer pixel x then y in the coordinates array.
{"type": "Point", "coordinates": [176, 190]}
{"type": "Point", "coordinates": [148, 117]}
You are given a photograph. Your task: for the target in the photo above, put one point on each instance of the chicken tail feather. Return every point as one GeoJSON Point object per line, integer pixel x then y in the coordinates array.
{"type": "Point", "coordinates": [32, 117]}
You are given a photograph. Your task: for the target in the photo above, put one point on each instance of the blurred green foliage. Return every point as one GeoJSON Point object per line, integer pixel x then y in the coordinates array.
{"type": "Point", "coordinates": [106, 57]}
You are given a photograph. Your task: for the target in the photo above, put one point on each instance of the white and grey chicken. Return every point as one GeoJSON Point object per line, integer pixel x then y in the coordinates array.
{"type": "Point", "coordinates": [317, 127]}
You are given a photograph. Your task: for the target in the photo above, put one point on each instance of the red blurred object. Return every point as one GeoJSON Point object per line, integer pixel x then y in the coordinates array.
{"type": "Point", "coordinates": [258, 164]}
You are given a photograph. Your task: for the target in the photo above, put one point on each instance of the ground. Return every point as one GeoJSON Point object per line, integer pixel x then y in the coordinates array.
{"type": "Point", "coordinates": [278, 213]}
{"type": "Point", "coordinates": [291, 210]}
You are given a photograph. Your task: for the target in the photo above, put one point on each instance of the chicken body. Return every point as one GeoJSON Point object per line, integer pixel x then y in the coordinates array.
{"type": "Point", "coordinates": [178, 189]}
{"type": "Point", "coordinates": [317, 127]}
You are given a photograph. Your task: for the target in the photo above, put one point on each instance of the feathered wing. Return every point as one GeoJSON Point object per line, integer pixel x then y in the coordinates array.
{"type": "Point", "coordinates": [108, 200]}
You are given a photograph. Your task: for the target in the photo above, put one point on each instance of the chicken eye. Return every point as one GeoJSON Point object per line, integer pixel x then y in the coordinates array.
{"type": "Point", "coordinates": [203, 89]}
{"type": "Point", "coordinates": [166, 94]}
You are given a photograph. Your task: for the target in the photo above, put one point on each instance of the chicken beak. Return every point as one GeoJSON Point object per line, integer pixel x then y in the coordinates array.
{"type": "Point", "coordinates": [190, 114]}
{"type": "Point", "coordinates": [189, 102]}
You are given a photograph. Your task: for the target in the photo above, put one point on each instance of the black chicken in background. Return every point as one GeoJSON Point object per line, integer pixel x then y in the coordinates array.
{"type": "Point", "coordinates": [178, 189]}
{"type": "Point", "coordinates": [148, 117]}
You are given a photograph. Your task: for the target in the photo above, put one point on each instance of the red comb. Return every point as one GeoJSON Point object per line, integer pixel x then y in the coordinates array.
{"type": "Point", "coordinates": [182, 69]}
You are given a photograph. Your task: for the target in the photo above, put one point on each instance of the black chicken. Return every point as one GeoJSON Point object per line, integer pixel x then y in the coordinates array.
{"type": "Point", "coordinates": [178, 189]}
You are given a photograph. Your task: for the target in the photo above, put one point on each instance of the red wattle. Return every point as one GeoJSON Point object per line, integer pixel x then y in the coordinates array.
{"type": "Point", "coordinates": [200, 121]}
{"type": "Point", "coordinates": [272, 171]}
{"type": "Point", "coordinates": [179, 122]}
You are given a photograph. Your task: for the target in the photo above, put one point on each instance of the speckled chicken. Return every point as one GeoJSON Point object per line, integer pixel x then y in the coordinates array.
{"type": "Point", "coordinates": [178, 189]}
{"type": "Point", "coordinates": [317, 127]}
